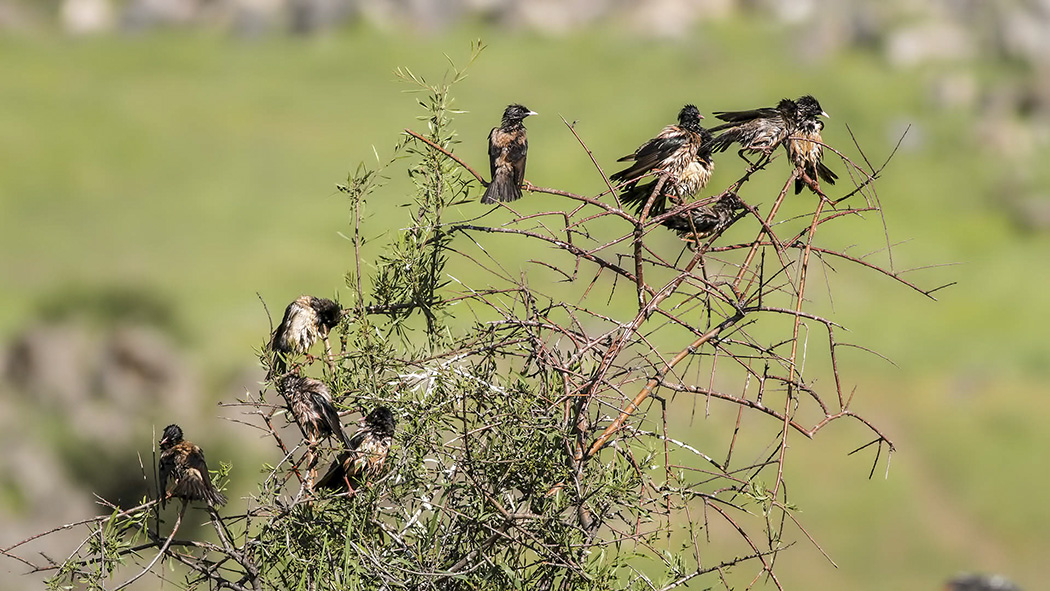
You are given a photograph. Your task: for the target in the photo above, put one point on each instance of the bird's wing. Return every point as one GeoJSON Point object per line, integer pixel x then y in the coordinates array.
{"type": "Point", "coordinates": [167, 466]}
{"type": "Point", "coordinates": [494, 151]}
{"type": "Point", "coordinates": [195, 461]}
{"type": "Point", "coordinates": [740, 116]}
{"type": "Point", "coordinates": [517, 151]}
{"type": "Point", "coordinates": [330, 416]}
{"type": "Point", "coordinates": [279, 341]}
{"type": "Point", "coordinates": [652, 153]}
{"type": "Point", "coordinates": [334, 475]}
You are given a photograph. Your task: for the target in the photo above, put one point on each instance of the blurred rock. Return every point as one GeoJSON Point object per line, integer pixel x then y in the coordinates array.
{"type": "Point", "coordinates": [97, 379]}
{"type": "Point", "coordinates": [140, 366]}
{"type": "Point", "coordinates": [954, 90]}
{"type": "Point", "coordinates": [84, 17]}
{"type": "Point", "coordinates": [1024, 32]}
{"type": "Point", "coordinates": [1006, 135]}
{"type": "Point", "coordinates": [254, 17]}
{"type": "Point", "coordinates": [309, 16]}
{"type": "Point", "coordinates": [794, 11]}
{"type": "Point", "coordinates": [46, 496]}
{"type": "Point", "coordinates": [675, 18]}
{"type": "Point", "coordinates": [979, 582]}
{"type": "Point", "coordinates": [554, 16]}
{"type": "Point", "coordinates": [823, 38]}
{"type": "Point", "coordinates": [144, 14]}
{"type": "Point", "coordinates": [929, 42]}
{"type": "Point", "coordinates": [14, 16]}
{"type": "Point", "coordinates": [52, 363]}
{"type": "Point", "coordinates": [423, 15]}
{"type": "Point", "coordinates": [1030, 213]}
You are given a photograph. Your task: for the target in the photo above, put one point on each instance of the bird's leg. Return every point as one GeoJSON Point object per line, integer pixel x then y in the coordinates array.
{"type": "Point", "coordinates": [329, 360]}
{"type": "Point", "coordinates": [763, 160]}
{"type": "Point", "coordinates": [311, 464]}
{"type": "Point", "coordinates": [692, 237]}
{"type": "Point", "coordinates": [812, 183]}
{"type": "Point", "coordinates": [746, 159]}
{"type": "Point", "coordinates": [350, 489]}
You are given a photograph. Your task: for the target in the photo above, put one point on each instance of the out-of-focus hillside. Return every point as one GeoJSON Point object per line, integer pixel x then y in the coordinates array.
{"type": "Point", "coordinates": [172, 175]}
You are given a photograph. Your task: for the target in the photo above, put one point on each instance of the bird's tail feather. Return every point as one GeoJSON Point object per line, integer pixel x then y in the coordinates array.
{"type": "Point", "coordinates": [331, 416]}
{"type": "Point", "coordinates": [502, 188]}
{"type": "Point", "coordinates": [826, 173]}
{"type": "Point", "coordinates": [636, 197]}
{"type": "Point", "coordinates": [812, 173]}
{"type": "Point", "coordinates": [277, 366]}
{"type": "Point", "coordinates": [333, 479]}
{"type": "Point", "coordinates": [192, 488]}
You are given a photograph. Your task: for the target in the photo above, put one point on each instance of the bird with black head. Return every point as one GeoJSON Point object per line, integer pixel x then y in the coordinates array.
{"type": "Point", "coordinates": [508, 150]}
{"type": "Point", "coordinates": [182, 465]}
{"type": "Point", "coordinates": [756, 131]}
{"type": "Point", "coordinates": [682, 152]}
{"type": "Point", "coordinates": [311, 406]}
{"type": "Point", "coordinates": [805, 146]}
{"type": "Point", "coordinates": [365, 455]}
{"type": "Point", "coordinates": [306, 320]}
{"type": "Point", "coordinates": [693, 225]}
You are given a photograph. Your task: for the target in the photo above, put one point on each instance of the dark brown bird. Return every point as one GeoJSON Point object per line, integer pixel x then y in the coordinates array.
{"type": "Point", "coordinates": [701, 222]}
{"type": "Point", "coordinates": [803, 147]}
{"type": "Point", "coordinates": [508, 148]}
{"type": "Point", "coordinates": [311, 406]}
{"type": "Point", "coordinates": [366, 453]}
{"type": "Point", "coordinates": [757, 131]}
{"type": "Point", "coordinates": [682, 152]}
{"type": "Point", "coordinates": [306, 320]}
{"type": "Point", "coordinates": [182, 463]}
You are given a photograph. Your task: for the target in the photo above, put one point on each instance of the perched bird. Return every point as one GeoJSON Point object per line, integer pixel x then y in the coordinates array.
{"type": "Point", "coordinates": [682, 152]}
{"type": "Point", "coordinates": [758, 131]}
{"type": "Point", "coordinates": [365, 455]}
{"type": "Point", "coordinates": [306, 320]}
{"type": "Point", "coordinates": [802, 144]}
{"type": "Point", "coordinates": [508, 147]}
{"type": "Point", "coordinates": [183, 464]}
{"type": "Point", "coordinates": [311, 405]}
{"type": "Point", "coordinates": [701, 222]}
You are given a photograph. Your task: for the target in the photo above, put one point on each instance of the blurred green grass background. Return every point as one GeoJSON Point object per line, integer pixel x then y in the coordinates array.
{"type": "Point", "coordinates": [203, 168]}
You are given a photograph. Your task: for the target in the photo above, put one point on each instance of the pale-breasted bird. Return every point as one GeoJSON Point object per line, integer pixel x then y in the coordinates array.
{"type": "Point", "coordinates": [306, 320]}
{"type": "Point", "coordinates": [366, 453]}
{"type": "Point", "coordinates": [682, 152]}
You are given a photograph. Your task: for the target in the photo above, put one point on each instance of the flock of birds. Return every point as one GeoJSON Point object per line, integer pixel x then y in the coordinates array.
{"type": "Point", "coordinates": [307, 320]}
{"type": "Point", "coordinates": [670, 167]}
{"type": "Point", "coordinates": [678, 162]}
